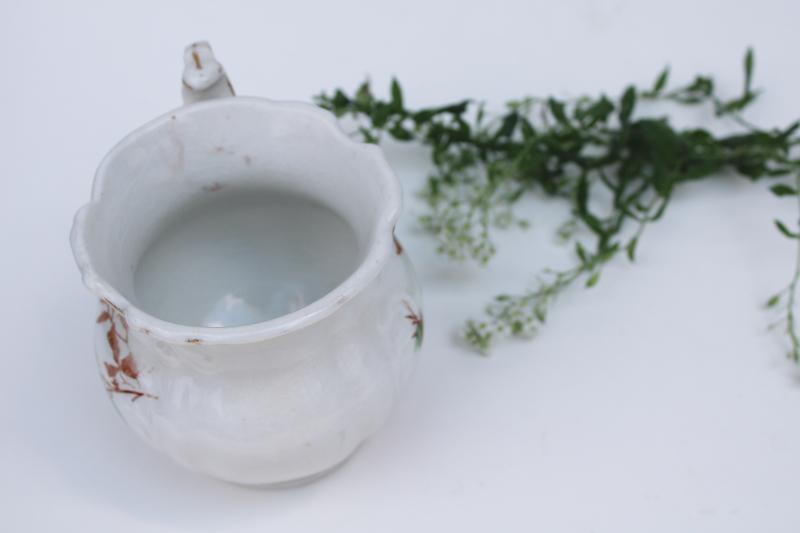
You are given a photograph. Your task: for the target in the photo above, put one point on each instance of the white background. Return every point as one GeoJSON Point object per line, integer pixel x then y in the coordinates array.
{"type": "Point", "coordinates": [656, 401]}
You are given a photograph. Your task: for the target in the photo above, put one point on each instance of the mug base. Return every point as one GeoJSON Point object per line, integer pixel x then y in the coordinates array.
{"type": "Point", "coordinates": [301, 481]}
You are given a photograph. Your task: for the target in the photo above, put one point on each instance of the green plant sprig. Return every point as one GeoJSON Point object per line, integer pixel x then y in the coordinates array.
{"type": "Point", "coordinates": [617, 170]}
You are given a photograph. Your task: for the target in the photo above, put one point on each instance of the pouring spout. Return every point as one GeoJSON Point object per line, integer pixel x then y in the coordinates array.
{"type": "Point", "coordinates": [204, 77]}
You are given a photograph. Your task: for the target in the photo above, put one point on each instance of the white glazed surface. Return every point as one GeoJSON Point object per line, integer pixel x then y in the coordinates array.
{"type": "Point", "coordinates": [244, 257]}
{"type": "Point", "coordinates": [268, 402]}
{"type": "Point", "coordinates": [280, 409]}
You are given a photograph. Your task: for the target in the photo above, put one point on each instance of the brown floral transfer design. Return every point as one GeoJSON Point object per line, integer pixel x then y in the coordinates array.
{"type": "Point", "coordinates": [398, 248]}
{"type": "Point", "coordinates": [416, 321]}
{"type": "Point", "coordinates": [122, 374]}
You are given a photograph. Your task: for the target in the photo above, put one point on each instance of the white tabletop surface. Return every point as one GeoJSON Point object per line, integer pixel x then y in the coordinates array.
{"type": "Point", "coordinates": [655, 402]}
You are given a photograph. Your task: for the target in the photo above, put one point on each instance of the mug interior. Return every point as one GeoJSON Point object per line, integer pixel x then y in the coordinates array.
{"type": "Point", "coordinates": [243, 256]}
{"type": "Point", "coordinates": [234, 212]}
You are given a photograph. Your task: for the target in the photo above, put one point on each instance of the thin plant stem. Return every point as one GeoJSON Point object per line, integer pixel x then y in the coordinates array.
{"type": "Point", "coordinates": [791, 330]}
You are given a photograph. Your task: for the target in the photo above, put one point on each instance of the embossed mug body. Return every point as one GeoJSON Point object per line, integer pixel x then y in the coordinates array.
{"type": "Point", "coordinates": [257, 315]}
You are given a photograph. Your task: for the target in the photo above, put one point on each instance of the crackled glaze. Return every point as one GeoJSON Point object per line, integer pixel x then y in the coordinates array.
{"type": "Point", "coordinates": [258, 403]}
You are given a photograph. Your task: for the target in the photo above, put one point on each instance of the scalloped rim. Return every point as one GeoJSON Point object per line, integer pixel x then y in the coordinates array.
{"type": "Point", "coordinates": [379, 249]}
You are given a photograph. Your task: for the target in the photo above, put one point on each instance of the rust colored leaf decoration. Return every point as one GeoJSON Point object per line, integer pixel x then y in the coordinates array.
{"type": "Point", "coordinates": [129, 382]}
{"type": "Point", "coordinates": [111, 370]}
{"type": "Point", "coordinates": [398, 248]}
{"type": "Point", "coordinates": [113, 343]}
{"type": "Point", "coordinates": [418, 323]}
{"type": "Point", "coordinates": [128, 367]}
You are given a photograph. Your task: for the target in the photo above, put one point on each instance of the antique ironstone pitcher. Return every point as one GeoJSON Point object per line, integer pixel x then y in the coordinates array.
{"type": "Point", "coordinates": [257, 314]}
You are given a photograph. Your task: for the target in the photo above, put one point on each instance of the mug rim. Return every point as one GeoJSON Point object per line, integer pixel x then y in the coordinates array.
{"type": "Point", "coordinates": [379, 248]}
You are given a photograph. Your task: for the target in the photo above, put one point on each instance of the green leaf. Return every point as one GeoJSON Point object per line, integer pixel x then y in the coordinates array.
{"type": "Point", "coordinates": [660, 82]}
{"type": "Point", "coordinates": [454, 109]}
{"type": "Point", "coordinates": [380, 114]}
{"type": "Point", "coordinates": [781, 189]}
{"type": "Point", "coordinates": [785, 134]}
{"type": "Point", "coordinates": [397, 96]}
{"type": "Point", "coordinates": [581, 253]}
{"type": "Point", "coordinates": [364, 95]}
{"type": "Point", "coordinates": [627, 103]}
{"type": "Point", "coordinates": [528, 132]}
{"type": "Point", "coordinates": [735, 105]}
{"type": "Point", "coordinates": [593, 279]}
{"type": "Point", "coordinates": [558, 112]}
{"type": "Point", "coordinates": [598, 111]}
{"type": "Point", "coordinates": [630, 248]}
{"type": "Point", "coordinates": [773, 300]}
{"type": "Point", "coordinates": [507, 126]}
{"type": "Point", "coordinates": [400, 133]}
{"type": "Point", "coordinates": [582, 207]}
{"type": "Point", "coordinates": [701, 88]}
{"type": "Point", "coordinates": [340, 99]}
{"type": "Point", "coordinates": [748, 70]}
{"type": "Point", "coordinates": [786, 231]}
{"type": "Point", "coordinates": [422, 116]}
{"type": "Point", "coordinates": [368, 136]}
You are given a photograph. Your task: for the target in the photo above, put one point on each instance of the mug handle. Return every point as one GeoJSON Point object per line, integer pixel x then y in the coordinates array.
{"type": "Point", "coordinates": [204, 77]}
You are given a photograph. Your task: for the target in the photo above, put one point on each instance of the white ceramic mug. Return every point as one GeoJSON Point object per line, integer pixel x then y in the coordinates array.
{"type": "Point", "coordinates": [257, 314]}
